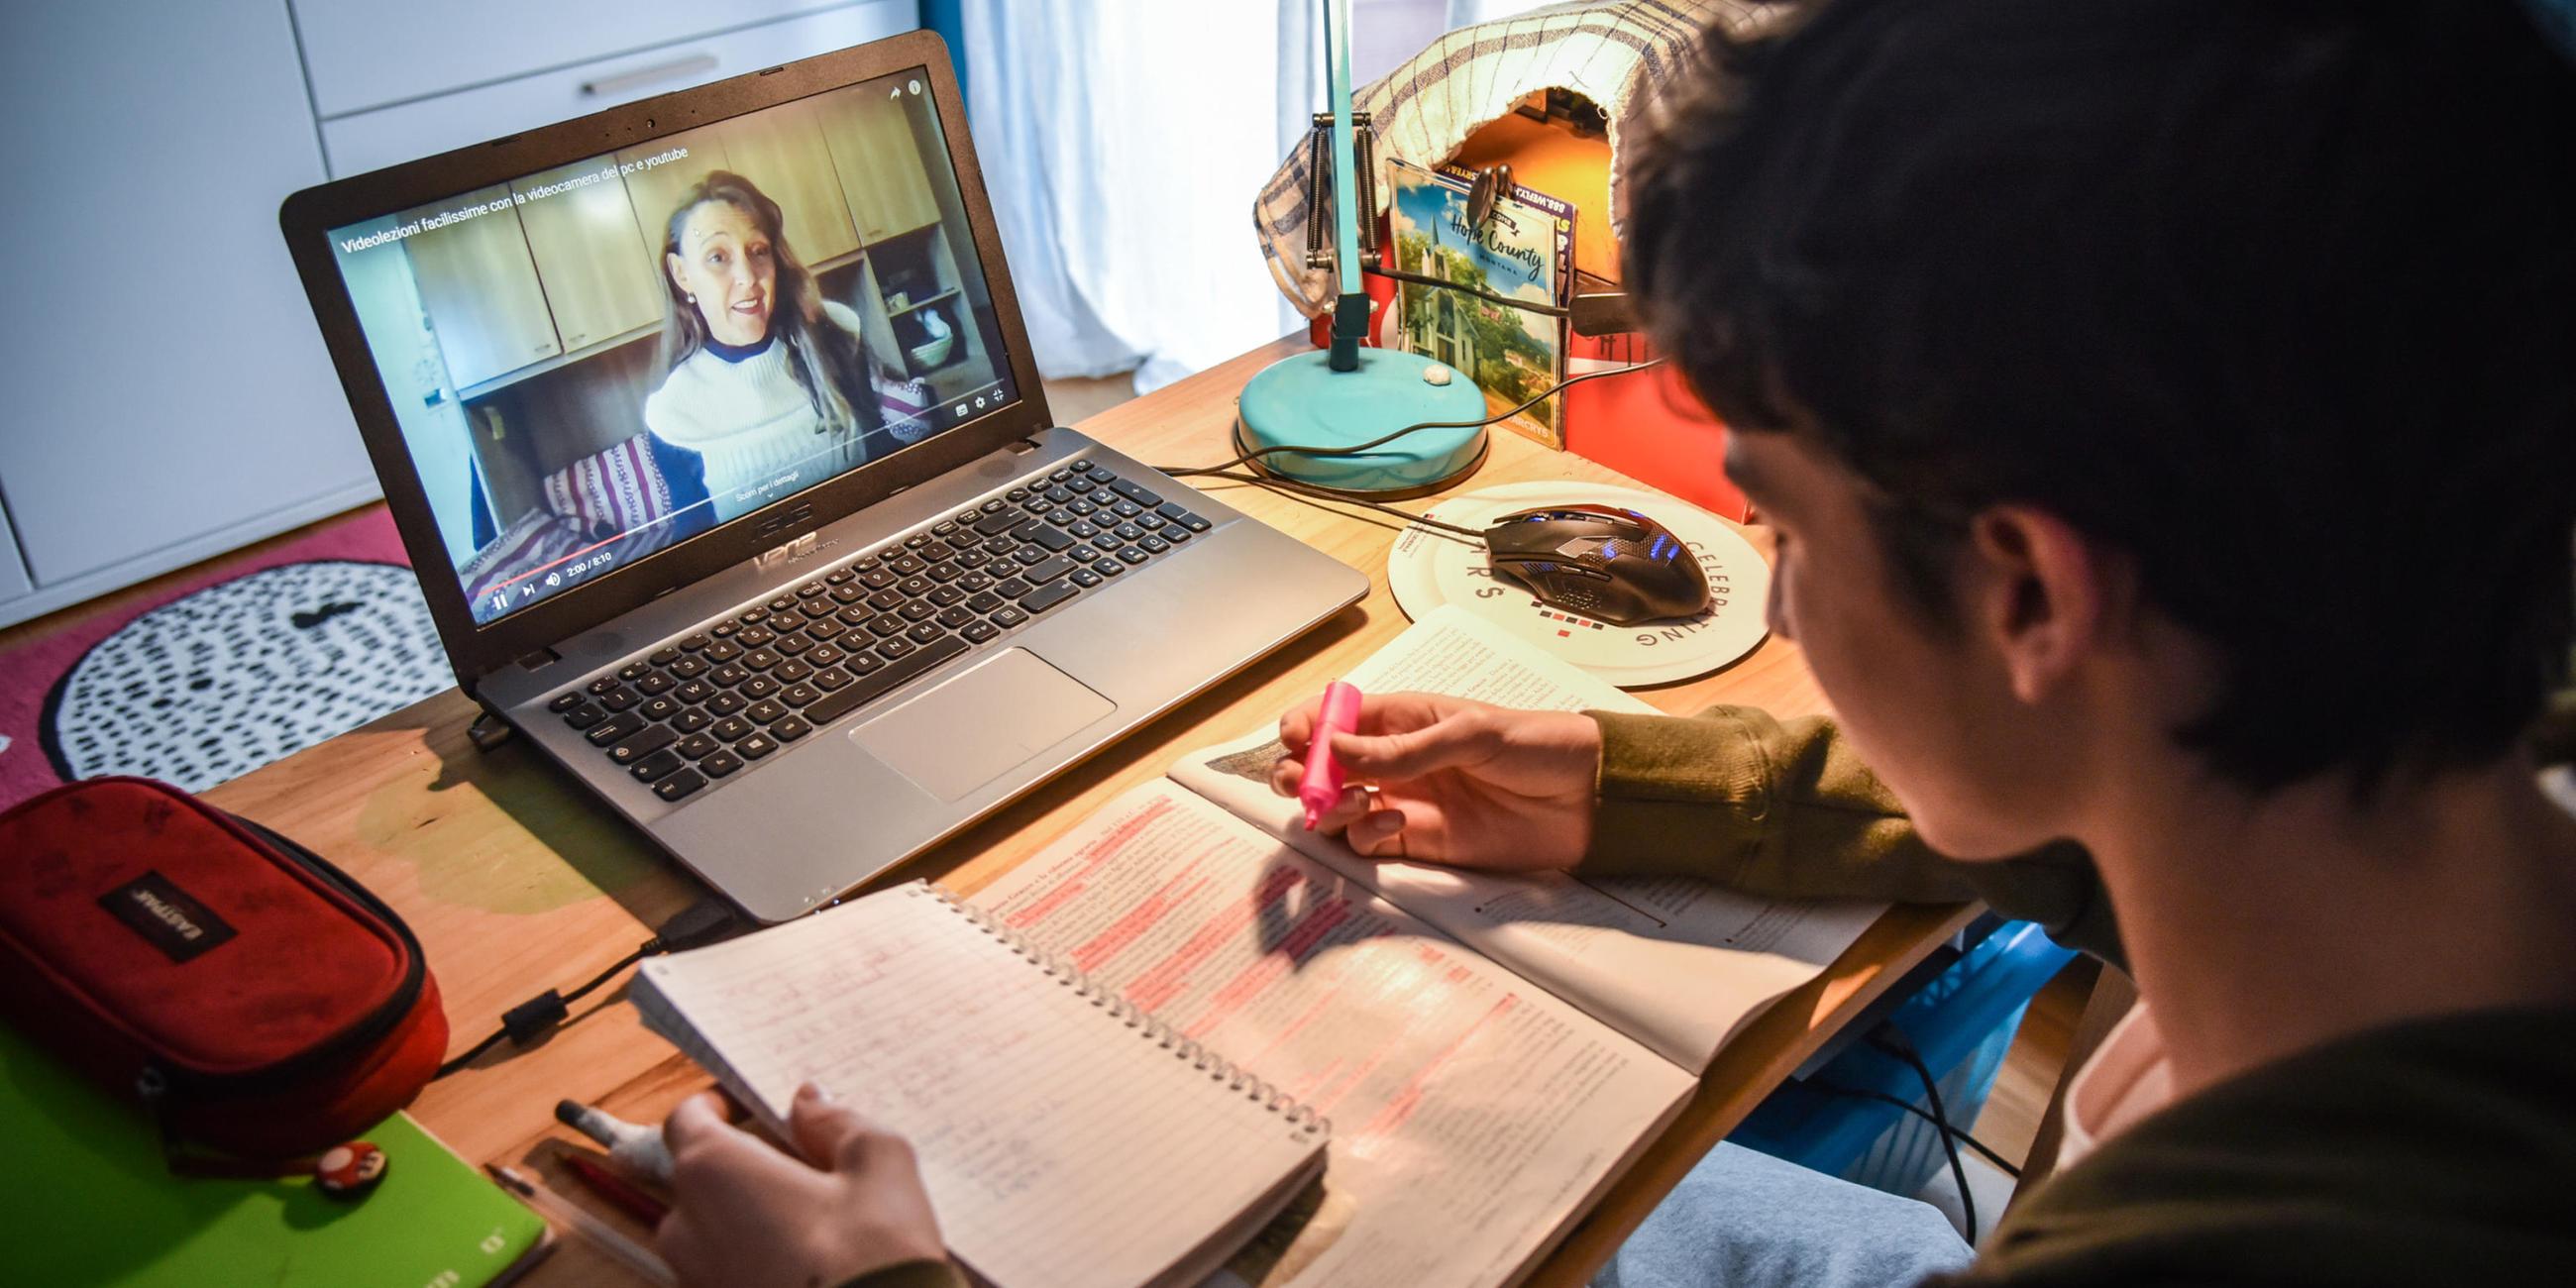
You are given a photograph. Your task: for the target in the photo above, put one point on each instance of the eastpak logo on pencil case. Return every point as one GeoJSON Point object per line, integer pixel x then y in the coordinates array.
{"type": "Point", "coordinates": [166, 917]}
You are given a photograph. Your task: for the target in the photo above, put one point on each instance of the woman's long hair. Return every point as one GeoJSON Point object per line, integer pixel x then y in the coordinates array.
{"type": "Point", "coordinates": [825, 360]}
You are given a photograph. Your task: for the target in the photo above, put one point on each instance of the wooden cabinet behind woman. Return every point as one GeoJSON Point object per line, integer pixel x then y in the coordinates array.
{"type": "Point", "coordinates": [781, 151]}
{"type": "Point", "coordinates": [478, 284]}
{"type": "Point", "coordinates": [874, 149]}
{"type": "Point", "coordinates": [596, 278]}
{"type": "Point", "coordinates": [655, 192]}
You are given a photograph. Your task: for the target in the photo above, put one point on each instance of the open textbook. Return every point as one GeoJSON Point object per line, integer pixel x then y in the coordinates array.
{"type": "Point", "coordinates": [1491, 1050]}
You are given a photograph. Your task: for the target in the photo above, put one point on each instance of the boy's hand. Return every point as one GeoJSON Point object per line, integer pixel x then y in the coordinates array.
{"type": "Point", "coordinates": [1458, 782]}
{"type": "Point", "coordinates": [744, 1213]}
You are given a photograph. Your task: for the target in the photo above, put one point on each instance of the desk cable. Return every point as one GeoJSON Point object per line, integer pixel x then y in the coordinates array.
{"type": "Point", "coordinates": [1224, 469]}
{"type": "Point", "coordinates": [1377, 268]}
{"type": "Point", "coordinates": [1892, 1040]}
{"type": "Point", "coordinates": [699, 924]}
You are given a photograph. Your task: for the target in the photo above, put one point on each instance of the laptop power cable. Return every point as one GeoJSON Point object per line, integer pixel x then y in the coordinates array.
{"type": "Point", "coordinates": [701, 923]}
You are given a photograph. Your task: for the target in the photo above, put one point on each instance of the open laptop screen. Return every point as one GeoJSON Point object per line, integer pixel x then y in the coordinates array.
{"type": "Point", "coordinates": [596, 362]}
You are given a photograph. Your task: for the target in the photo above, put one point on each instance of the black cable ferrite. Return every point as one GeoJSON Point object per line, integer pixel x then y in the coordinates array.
{"type": "Point", "coordinates": [533, 1018]}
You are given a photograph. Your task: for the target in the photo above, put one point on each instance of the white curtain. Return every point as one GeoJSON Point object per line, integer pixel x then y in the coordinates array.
{"type": "Point", "coordinates": [1124, 141]}
{"type": "Point", "coordinates": [1467, 13]}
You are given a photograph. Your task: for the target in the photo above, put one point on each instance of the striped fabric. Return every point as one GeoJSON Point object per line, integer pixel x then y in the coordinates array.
{"type": "Point", "coordinates": [612, 491]}
{"type": "Point", "coordinates": [618, 491]}
{"type": "Point", "coordinates": [1618, 53]}
{"type": "Point", "coordinates": [539, 538]}
{"type": "Point", "coordinates": [903, 406]}
{"type": "Point", "coordinates": [593, 500]}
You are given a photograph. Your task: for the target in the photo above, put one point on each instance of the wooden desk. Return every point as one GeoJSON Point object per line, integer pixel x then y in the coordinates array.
{"type": "Point", "coordinates": [516, 883]}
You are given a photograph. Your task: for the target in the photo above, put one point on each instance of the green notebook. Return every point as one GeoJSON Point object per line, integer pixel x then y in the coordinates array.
{"type": "Point", "coordinates": [89, 1202]}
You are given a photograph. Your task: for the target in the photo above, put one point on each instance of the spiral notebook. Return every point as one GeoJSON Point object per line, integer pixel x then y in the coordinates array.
{"type": "Point", "coordinates": [1493, 1049]}
{"type": "Point", "coordinates": [1066, 1136]}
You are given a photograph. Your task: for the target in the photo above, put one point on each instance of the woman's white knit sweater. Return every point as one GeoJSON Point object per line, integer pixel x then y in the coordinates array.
{"type": "Point", "coordinates": [754, 425]}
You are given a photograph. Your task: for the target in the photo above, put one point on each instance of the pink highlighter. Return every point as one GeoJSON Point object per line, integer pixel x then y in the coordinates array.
{"type": "Point", "coordinates": [1322, 784]}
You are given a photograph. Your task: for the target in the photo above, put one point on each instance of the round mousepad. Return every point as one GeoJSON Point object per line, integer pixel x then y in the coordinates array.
{"type": "Point", "coordinates": [216, 684]}
{"type": "Point", "coordinates": [1429, 568]}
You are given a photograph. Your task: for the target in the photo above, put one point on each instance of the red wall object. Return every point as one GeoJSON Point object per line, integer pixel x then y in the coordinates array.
{"type": "Point", "coordinates": [1650, 427]}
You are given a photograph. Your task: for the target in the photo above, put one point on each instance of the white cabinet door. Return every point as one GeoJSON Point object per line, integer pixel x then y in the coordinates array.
{"type": "Point", "coordinates": [166, 378]}
{"type": "Point", "coordinates": [482, 108]}
{"type": "Point", "coordinates": [370, 53]}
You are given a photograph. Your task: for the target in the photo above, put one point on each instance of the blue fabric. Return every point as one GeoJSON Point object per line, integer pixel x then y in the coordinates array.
{"type": "Point", "coordinates": [948, 18]}
{"type": "Point", "coordinates": [737, 352]}
{"type": "Point", "coordinates": [685, 473]}
{"type": "Point", "coordinates": [1743, 1219]}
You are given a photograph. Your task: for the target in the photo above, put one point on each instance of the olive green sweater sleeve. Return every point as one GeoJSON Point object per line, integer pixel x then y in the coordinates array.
{"type": "Point", "coordinates": [911, 1274]}
{"type": "Point", "coordinates": [1787, 810]}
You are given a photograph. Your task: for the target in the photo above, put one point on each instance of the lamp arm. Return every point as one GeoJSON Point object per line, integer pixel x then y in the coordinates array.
{"type": "Point", "coordinates": [1350, 309]}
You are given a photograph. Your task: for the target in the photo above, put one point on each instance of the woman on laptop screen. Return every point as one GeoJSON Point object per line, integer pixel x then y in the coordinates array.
{"type": "Point", "coordinates": [764, 378]}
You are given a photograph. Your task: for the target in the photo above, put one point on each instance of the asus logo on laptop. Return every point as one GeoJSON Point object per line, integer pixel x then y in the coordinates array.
{"type": "Point", "coordinates": [803, 547]}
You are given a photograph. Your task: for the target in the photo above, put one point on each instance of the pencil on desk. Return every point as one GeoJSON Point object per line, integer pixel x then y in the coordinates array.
{"type": "Point", "coordinates": [554, 1207]}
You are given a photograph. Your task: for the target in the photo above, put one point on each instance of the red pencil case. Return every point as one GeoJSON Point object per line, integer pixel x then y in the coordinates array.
{"type": "Point", "coordinates": [250, 996]}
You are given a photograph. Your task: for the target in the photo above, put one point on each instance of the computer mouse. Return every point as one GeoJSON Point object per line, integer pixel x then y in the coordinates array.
{"type": "Point", "coordinates": [1600, 561]}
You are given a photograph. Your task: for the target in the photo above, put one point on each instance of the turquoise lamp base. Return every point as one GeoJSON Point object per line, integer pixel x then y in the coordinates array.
{"type": "Point", "coordinates": [1302, 402]}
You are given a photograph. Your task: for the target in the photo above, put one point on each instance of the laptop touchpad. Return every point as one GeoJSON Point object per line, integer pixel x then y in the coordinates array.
{"type": "Point", "coordinates": [973, 729]}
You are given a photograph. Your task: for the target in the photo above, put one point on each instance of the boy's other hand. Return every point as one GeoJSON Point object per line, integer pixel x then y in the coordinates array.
{"type": "Point", "coordinates": [1457, 782]}
{"type": "Point", "coordinates": [743, 1213]}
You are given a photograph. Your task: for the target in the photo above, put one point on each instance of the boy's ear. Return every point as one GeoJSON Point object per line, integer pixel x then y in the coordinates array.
{"type": "Point", "coordinates": [2045, 596]}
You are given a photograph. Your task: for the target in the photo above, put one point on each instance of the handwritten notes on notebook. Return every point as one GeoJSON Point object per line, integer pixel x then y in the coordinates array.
{"type": "Point", "coordinates": [1064, 1139]}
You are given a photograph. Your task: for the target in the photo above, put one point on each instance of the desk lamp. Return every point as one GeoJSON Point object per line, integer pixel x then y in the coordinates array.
{"type": "Point", "coordinates": [1351, 394]}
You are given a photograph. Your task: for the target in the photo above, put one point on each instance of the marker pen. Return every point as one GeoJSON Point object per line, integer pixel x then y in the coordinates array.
{"type": "Point", "coordinates": [1322, 783]}
{"type": "Point", "coordinates": [637, 1148]}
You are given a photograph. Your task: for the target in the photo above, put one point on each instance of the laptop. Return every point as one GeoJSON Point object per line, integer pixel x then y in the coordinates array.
{"type": "Point", "coordinates": [711, 427]}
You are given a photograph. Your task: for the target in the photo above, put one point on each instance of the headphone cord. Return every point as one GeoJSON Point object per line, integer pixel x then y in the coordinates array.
{"type": "Point", "coordinates": [1892, 1040]}
{"type": "Point", "coordinates": [1378, 268]}
{"type": "Point", "coordinates": [1313, 492]}
{"type": "Point", "coordinates": [1968, 1139]}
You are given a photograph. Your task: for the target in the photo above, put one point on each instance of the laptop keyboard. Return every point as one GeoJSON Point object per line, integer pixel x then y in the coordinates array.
{"type": "Point", "coordinates": [708, 707]}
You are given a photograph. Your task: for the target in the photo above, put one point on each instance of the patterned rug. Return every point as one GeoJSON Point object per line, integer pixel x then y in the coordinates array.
{"type": "Point", "coordinates": [248, 661]}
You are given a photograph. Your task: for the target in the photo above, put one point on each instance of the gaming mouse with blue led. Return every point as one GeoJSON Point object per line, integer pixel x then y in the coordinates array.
{"type": "Point", "coordinates": [1613, 564]}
